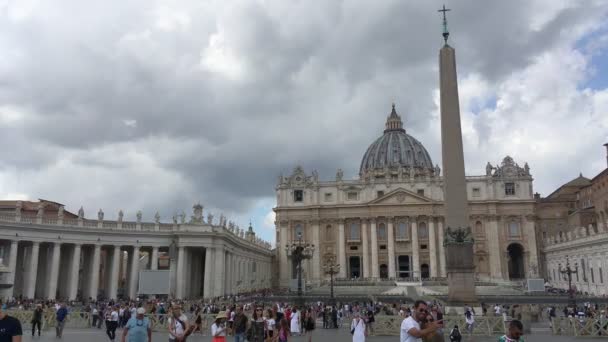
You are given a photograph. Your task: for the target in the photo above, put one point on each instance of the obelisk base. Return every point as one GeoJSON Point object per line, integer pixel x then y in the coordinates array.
{"type": "Point", "coordinates": [461, 288]}
{"type": "Point", "coordinates": [461, 273]}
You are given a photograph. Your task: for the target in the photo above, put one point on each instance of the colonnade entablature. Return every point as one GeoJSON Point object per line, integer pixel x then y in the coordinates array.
{"type": "Point", "coordinates": [179, 226]}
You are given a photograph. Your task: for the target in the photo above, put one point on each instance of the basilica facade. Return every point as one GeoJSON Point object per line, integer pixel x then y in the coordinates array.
{"type": "Point", "coordinates": [389, 223]}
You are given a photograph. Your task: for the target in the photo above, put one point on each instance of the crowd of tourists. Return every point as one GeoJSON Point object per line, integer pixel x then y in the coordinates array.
{"type": "Point", "coordinates": [257, 318]}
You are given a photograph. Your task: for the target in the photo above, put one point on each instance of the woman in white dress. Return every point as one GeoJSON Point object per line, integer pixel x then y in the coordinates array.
{"type": "Point", "coordinates": [357, 327]}
{"type": "Point", "coordinates": [295, 322]}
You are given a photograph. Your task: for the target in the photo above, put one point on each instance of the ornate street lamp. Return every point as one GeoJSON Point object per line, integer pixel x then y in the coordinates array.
{"type": "Point", "coordinates": [568, 272]}
{"type": "Point", "coordinates": [331, 268]}
{"type": "Point", "coordinates": [299, 250]}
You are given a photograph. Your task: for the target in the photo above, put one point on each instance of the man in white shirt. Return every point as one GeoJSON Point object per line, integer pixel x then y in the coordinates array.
{"type": "Point", "coordinates": [410, 327]}
{"type": "Point", "coordinates": [497, 310]}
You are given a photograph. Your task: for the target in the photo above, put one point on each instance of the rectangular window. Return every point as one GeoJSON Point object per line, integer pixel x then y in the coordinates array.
{"type": "Point", "coordinates": [379, 194]}
{"type": "Point", "coordinates": [554, 274]}
{"type": "Point", "coordinates": [423, 247]}
{"type": "Point", "coordinates": [402, 231]}
{"type": "Point", "coordinates": [352, 195]}
{"type": "Point", "coordinates": [420, 192]}
{"type": "Point", "coordinates": [513, 229]}
{"type": "Point", "coordinates": [601, 276]}
{"type": "Point", "coordinates": [509, 189]}
{"type": "Point", "coordinates": [592, 275]}
{"type": "Point", "coordinates": [382, 247]}
{"type": "Point", "coordinates": [298, 195]}
{"type": "Point", "coordinates": [354, 248]}
{"type": "Point", "coordinates": [476, 192]}
{"type": "Point", "coordinates": [328, 197]}
{"type": "Point", "coordinates": [354, 232]}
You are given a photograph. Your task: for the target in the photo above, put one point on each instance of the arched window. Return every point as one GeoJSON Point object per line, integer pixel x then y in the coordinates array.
{"type": "Point", "coordinates": [402, 229]}
{"type": "Point", "coordinates": [423, 232]}
{"type": "Point", "coordinates": [354, 231]}
{"type": "Point", "coordinates": [328, 232]}
{"type": "Point", "coordinates": [381, 232]}
{"type": "Point", "coordinates": [298, 232]}
{"type": "Point", "coordinates": [514, 229]}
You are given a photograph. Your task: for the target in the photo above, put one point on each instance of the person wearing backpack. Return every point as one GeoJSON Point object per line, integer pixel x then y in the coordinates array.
{"type": "Point", "coordinates": [455, 335]}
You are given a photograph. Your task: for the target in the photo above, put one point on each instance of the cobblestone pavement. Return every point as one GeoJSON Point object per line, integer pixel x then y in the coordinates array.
{"type": "Point", "coordinates": [94, 335]}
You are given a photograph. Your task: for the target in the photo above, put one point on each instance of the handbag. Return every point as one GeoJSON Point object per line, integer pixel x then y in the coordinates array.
{"type": "Point", "coordinates": [352, 331]}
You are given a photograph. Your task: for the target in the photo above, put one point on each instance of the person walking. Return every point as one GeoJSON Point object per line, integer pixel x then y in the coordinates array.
{"type": "Point", "coordinates": [469, 318]}
{"type": "Point", "coordinates": [357, 328]}
{"type": "Point", "coordinates": [138, 328]}
{"type": "Point", "coordinates": [218, 328]}
{"type": "Point", "coordinates": [310, 324]}
{"type": "Point", "coordinates": [37, 319]}
{"type": "Point", "coordinates": [177, 324]}
{"type": "Point", "coordinates": [257, 328]}
{"type": "Point", "coordinates": [271, 322]}
{"type": "Point", "coordinates": [295, 322]}
{"type": "Point", "coordinates": [94, 316]}
{"type": "Point", "coordinates": [60, 317]}
{"type": "Point", "coordinates": [112, 322]}
{"type": "Point", "coordinates": [284, 333]}
{"type": "Point", "coordinates": [240, 325]}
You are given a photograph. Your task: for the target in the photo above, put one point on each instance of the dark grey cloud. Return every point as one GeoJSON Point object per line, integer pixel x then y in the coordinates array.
{"type": "Point", "coordinates": [117, 97]}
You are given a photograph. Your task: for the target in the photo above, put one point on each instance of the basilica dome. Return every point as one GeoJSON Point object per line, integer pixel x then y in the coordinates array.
{"type": "Point", "coordinates": [395, 149]}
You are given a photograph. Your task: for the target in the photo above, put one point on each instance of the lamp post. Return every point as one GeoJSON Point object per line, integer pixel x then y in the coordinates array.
{"type": "Point", "coordinates": [299, 250]}
{"type": "Point", "coordinates": [568, 272]}
{"type": "Point", "coordinates": [331, 268]}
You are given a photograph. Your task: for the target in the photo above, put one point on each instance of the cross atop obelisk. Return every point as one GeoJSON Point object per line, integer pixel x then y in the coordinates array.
{"type": "Point", "coordinates": [458, 240]}
{"type": "Point", "coordinates": [446, 33]}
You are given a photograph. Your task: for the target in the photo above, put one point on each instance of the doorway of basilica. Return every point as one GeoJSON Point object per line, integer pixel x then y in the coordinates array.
{"type": "Point", "coordinates": [355, 266]}
{"type": "Point", "coordinates": [516, 261]}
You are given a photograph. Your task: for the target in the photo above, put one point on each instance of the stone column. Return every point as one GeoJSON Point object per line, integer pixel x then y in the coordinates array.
{"type": "Point", "coordinates": [415, 251]}
{"type": "Point", "coordinates": [494, 247]}
{"type": "Point", "coordinates": [179, 283]}
{"type": "Point", "coordinates": [433, 247]}
{"type": "Point", "coordinates": [33, 270]}
{"type": "Point", "coordinates": [316, 264]}
{"type": "Point", "coordinates": [219, 271]}
{"type": "Point", "coordinates": [134, 273]}
{"type": "Point", "coordinates": [374, 236]}
{"type": "Point", "coordinates": [154, 258]}
{"type": "Point", "coordinates": [284, 275]}
{"type": "Point", "coordinates": [114, 272]}
{"type": "Point", "coordinates": [365, 258]}
{"type": "Point", "coordinates": [208, 274]}
{"type": "Point", "coordinates": [12, 267]}
{"type": "Point", "coordinates": [94, 286]}
{"type": "Point", "coordinates": [442, 260]}
{"type": "Point", "coordinates": [530, 237]}
{"type": "Point", "coordinates": [341, 250]}
{"type": "Point", "coordinates": [54, 271]}
{"type": "Point", "coordinates": [391, 248]}
{"type": "Point", "coordinates": [74, 272]}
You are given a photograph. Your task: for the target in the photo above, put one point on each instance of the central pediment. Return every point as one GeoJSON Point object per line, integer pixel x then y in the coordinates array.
{"type": "Point", "coordinates": [401, 196]}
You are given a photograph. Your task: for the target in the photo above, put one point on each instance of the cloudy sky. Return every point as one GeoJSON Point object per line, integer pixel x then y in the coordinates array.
{"type": "Point", "coordinates": [156, 105]}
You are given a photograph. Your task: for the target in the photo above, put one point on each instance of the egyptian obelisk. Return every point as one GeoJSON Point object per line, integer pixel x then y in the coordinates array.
{"type": "Point", "coordinates": [458, 241]}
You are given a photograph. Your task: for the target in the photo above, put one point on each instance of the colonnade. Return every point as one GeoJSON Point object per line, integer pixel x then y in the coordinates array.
{"type": "Point", "coordinates": [56, 270]}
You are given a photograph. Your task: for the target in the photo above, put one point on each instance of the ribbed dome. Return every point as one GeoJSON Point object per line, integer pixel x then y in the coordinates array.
{"type": "Point", "coordinates": [395, 148]}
